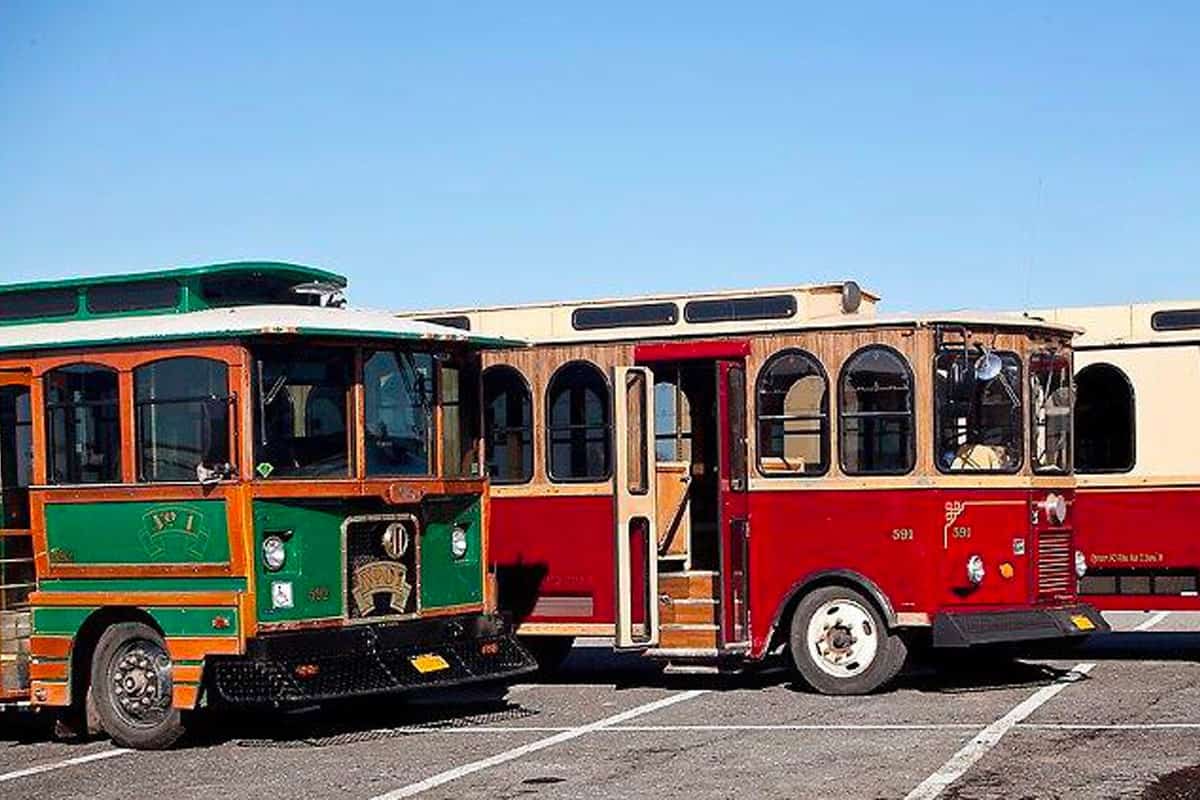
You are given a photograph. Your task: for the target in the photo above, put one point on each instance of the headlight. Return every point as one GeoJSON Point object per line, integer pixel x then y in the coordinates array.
{"type": "Point", "coordinates": [273, 553]}
{"type": "Point", "coordinates": [1080, 564]}
{"type": "Point", "coordinates": [458, 541]}
{"type": "Point", "coordinates": [975, 570]}
{"type": "Point", "coordinates": [1056, 508]}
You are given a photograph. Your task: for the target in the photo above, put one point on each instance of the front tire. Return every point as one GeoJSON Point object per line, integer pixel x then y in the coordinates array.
{"type": "Point", "coordinates": [841, 645]}
{"type": "Point", "coordinates": [132, 688]}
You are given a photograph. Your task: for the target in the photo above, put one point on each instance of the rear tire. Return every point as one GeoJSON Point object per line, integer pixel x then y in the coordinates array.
{"type": "Point", "coordinates": [840, 643]}
{"type": "Point", "coordinates": [132, 688]}
{"type": "Point", "coordinates": [549, 651]}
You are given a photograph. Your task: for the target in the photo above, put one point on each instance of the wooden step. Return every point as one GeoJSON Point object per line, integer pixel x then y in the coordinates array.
{"type": "Point", "coordinates": [702, 611]}
{"type": "Point", "coordinates": [688, 585]}
{"type": "Point", "coordinates": [687, 637]}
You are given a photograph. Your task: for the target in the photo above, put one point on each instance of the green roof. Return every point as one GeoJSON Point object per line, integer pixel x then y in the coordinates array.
{"type": "Point", "coordinates": [281, 268]}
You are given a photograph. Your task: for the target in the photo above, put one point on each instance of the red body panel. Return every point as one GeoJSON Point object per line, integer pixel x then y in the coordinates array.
{"type": "Point", "coordinates": [1143, 529]}
{"type": "Point", "coordinates": [562, 547]}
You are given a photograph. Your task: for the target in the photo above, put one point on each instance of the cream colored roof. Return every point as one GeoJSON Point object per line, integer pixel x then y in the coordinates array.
{"type": "Point", "coordinates": [225, 323]}
{"type": "Point", "coordinates": [1122, 324]}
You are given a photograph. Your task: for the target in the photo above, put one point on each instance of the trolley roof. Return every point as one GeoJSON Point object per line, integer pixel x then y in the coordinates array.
{"type": "Point", "coordinates": [707, 314]}
{"type": "Point", "coordinates": [1163, 322]}
{"type": "Point", "coordinates": [233, 323]}
{"type": "Point", "coordinates": [176, 290]}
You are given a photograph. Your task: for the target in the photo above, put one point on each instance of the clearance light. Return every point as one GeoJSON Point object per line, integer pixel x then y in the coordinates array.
{"type": "Point", "coordinates": [458, 542]}
{"type": "Point", "coordinates": [1007, 571]}
{"type": "Point", "coordinates": [1056, 508]}
{"type": "Point", "coordinates": [1080, 564]}
{"type": "Point", "coordinates": [975, 570]}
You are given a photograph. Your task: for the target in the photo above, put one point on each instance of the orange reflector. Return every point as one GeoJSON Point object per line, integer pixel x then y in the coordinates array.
{"type": "Point", "coordinates": [490, 649]}
{"type": "Point", "coordinates": [306, 671]}
{"type": "Point", "coordinates": [220, 623]}
{"type": "Point", "coordinates": [1006, 570]}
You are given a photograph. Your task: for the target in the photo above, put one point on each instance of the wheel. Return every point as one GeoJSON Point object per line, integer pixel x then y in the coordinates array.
{"type": "Point", "coordinates": [840, 644]}
{"type": "Point", "coordinates": [549, 651]}
{"type": "Point", "coordinates": [131, 688]}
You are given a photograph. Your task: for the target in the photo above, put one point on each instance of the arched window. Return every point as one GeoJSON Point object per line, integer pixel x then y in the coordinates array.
{"type": "Point", "coordinates": [183, 411]}
{"type": "Point", "coordinates": [876, 413]}
{"type": "Point", "coordinates": [83, 425]}
{"type": "Point", "coordinates": [578, 424]}
{"type": "Point", "coordinates": [508, 425]}
{"type": "Point", "coordinates": [793, 415]}
{"type": "Point", "coordinates": [1104, 420]}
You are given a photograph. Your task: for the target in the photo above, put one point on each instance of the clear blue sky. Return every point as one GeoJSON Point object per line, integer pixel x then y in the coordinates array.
{"type": "Point", "coordinates": [954, 154]}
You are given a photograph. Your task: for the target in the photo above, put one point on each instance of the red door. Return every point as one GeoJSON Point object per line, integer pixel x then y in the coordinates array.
{"type": "Point", "coordinates": [733, 505]}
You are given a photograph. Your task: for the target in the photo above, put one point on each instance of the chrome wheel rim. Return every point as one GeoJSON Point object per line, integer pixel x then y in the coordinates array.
{"type": "Point", "coordinates": [139, 679]}
{"type": "Point", "coordinates": [842, 638]}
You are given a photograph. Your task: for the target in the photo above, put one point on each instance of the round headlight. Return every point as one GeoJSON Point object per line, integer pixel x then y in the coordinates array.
{"type": "Point", "coordinates": [975, 570]}
{"type": "Point", "coordinates": [1080, 564]}
{"type": "Point", "coordinates": [458, 541]}
{"type": "Point", "coordinates": [1056, 508]}
{"type": "Point", "coordinates": [274, 554]}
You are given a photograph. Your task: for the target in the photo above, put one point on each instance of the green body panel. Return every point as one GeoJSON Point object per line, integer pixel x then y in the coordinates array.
{"type": "Point", "coordinates": [445, 580]}
{"type": "Point", "coordinates": [162, 532]}
{"type": "Point", "coordinates": [173, 621]}
{"type": "Point", "coordinates": [126, 585]}
{"type": "Point", "coordinates": [314, 558]}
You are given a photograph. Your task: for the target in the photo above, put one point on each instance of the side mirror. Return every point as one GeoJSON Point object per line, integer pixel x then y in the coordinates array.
{"type": "Point", "coordinates": [988, 367]}
{"type": "Point", "coordinates": [211, 475]}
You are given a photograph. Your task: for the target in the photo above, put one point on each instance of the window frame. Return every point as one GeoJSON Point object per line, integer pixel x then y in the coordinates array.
{"type": "Point", "coordinates": [1133, 451]}
{"type": "Point", "coordinates": [1034, 465]}
{"type": "Point", "coordinates": [49, 406]}
{"type": "Point", "coordinates": [434, 435]}
{"type": "Point", "coordinates": [230, 398]}
{"type": "Point", "coordinates": [912, 414]}
{"type": "Point", "coordinates": [826, 432]}
{"type": "Point", "coordinates": [547, 427]}
{"type": "Point", "coordinates": [487, 434]}
{"type": "Point", "coordinates": [1024, 418]}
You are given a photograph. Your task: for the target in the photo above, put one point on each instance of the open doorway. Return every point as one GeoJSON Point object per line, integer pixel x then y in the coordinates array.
{"type": "Point", "coordinates": [687, 458]}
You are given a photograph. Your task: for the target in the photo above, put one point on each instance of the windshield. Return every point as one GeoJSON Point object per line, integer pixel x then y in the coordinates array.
{"type": "Point", "coordinates": [1051, 398]}
{"type": "Point", "coordinates": [978, 411]}
{"type": "Point", "coordinates": [398, 390]}
{"type": "Point", "coordinates": [301, 408]}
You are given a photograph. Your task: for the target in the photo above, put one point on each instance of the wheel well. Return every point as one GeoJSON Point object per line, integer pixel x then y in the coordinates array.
{"type": "Point", "coordinates": [88, 636]}
{"type": "Point", "coordinates": [780, 630]}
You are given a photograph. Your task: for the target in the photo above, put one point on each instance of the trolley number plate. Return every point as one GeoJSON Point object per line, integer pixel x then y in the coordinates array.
{"type": "Point", "coordinates": [1082, 623]}
{"type": "Point", "coordinates": [429, 662]}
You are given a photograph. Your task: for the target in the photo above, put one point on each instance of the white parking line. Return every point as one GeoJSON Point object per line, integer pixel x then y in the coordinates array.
{"type": "Point", "coordinates": [786, 728]}
{"type": "Point", "coordinates": [989, 737]}
{"type": "Point", "coordinates": [1154, 620]}
{"type": "Point", "coordinates": [541, 744]}
{"type": "Point", "coordinates": [70, 762]}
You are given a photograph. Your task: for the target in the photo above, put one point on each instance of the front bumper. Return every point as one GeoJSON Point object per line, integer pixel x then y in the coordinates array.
{"type": "Point", "coordinates": [968, 628]}
{"type": "Point", "coordinates": [299, 667]}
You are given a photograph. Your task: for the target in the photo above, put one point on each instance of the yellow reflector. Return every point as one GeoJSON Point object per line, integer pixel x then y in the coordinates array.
{"type": "Point", "coordinates": [1083, 623]}
{"type": "Point", "coordinates": [430, 662]}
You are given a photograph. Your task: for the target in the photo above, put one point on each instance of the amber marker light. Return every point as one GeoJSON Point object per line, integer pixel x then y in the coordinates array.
{"type": "Point", "coordinates": [306, 671]}
{"type": "Point", "coordinates": [1006, 571]}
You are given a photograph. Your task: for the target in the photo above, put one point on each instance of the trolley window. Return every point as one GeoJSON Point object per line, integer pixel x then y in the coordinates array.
{"type": "Point", "coordinates": [459, 397]}
{"type": "Point", "coordinates": [579, 424]}
{"type": "Point", "coordinates": [736, 309]}
{"type": "Point", "coordinates": [83, 428]}
{"type": "Point", "coordinates": [977, 411]}
{"type": "Point", "coordinates": [508, 425]}
{"type": "Point", "coordinates": [183, 419]}
{"type": "Point", "coordinates": [672, 416]}
{"type": "Point", "coordinates": [398, 388]}
{"type": "Point", "coordinates": [793, 416]}
{"type": "Point", "coordinates": [1182, 319]}
{"type": "Point", "coordinates": [1105, 413]}
{"type": "Point", "coordinates": [638, 315]}
{"type": "Point", "coordinates": [1050, 400]}
{"type": "Point", "coordinates": [301, 406]}
{"type": "Point", "coordinates": [39, 304]}
{"type": "Point", "coordinates": [137, 296]}
{"type": "Point", "coordinates": [876, 414]}
{"type": "Point", "coordinates": [16, 456]}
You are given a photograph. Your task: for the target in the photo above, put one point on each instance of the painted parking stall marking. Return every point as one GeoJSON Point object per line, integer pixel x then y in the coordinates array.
{"type": "Point", "coordinates": [541, 744]}
{"type": "Point", "coordinates": [70, 762]}
{"type": "Point", "coordinates": [990, 736]}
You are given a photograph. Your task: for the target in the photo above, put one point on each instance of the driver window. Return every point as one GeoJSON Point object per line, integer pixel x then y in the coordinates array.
{"type": "Point", "coordinates": [301, 409]}
{"type": "Point", "coordinates": [978, 411]}
{"type": "Point", "coordinates": [398, 389]}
